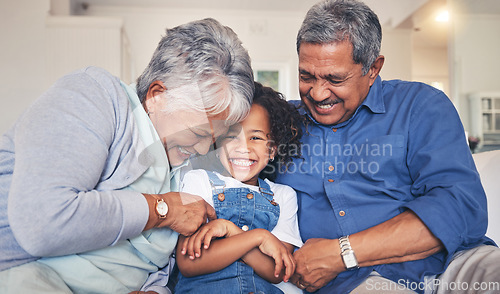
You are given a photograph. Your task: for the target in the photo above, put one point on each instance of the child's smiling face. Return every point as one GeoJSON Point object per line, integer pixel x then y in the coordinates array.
{"type": "Point", "coordinates": [246, 149]}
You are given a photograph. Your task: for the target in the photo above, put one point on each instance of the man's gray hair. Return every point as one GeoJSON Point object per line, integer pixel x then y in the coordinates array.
{"type": "Point", "coordinates": [333, 21]}
{"type": "Point", "coordinates": [204, 67]}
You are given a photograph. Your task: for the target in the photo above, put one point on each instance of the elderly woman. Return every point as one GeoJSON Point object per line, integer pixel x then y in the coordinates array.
{"type": "Point", "coordinates": [90, 170]}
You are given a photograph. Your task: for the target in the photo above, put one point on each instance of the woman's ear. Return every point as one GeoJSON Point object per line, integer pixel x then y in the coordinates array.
{"type": "Point", "coordinates": [155, 89]}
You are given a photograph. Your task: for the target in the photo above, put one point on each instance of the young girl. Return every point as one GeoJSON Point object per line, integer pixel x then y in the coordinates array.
{"type": "Point", "coordinates": [249, 247]}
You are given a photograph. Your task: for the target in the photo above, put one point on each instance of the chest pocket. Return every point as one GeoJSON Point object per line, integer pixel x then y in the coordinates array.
{"type": "Point", "coordinates": [379, 159]}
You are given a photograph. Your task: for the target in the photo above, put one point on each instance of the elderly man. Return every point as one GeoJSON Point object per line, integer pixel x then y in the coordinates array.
{"type": "Point", "coordinates": [89, 174]}
{"type": "Point", "coordinates": [389, 197]}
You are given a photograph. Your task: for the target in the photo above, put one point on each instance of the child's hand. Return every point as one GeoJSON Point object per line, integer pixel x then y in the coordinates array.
{"type": "Point", "coordinates": [213, 229]}
{"type": "Point", "coordinates": [273, 247]}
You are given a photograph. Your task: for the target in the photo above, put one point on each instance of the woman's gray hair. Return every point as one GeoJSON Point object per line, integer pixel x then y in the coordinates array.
{"type": "Point", "coordinates": [333, 21]}
{"type": "Point", "coordinates": [204, 67]}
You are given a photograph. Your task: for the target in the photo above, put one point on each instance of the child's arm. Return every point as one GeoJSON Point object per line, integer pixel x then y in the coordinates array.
{"type": "Point", "coordinates": [262, 263]}
{"type": "Point", "coordinates": [258, 248]}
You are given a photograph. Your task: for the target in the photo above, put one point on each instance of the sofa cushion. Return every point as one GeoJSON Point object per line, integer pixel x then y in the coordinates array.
{"type": "Point", "coordinates": [488, 166]}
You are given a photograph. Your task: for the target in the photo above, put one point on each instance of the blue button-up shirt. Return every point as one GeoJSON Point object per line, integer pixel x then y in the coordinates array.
{"type": "Point", "coordinates": [403, 149]}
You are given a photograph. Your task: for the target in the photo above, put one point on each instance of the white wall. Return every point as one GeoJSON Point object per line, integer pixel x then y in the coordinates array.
{"type": "Point", "coordinates": [431, 65]}
{"type": "Point", "coordinates": [269, 37]}
{"type": "Point", "coordinates": [476, 59]}
{"type": "Point", "coordinates": [22, 56]}
{"type": "Point", "coordinates": [397, 50]}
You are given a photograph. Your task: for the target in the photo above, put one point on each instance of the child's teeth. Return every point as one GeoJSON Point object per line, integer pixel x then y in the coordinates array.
{"type": "Point", "coordinates": [242, 162]}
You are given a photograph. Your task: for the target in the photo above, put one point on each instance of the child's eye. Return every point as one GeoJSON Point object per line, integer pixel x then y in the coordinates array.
{"type": "Point", "coordinates": [256, 138]}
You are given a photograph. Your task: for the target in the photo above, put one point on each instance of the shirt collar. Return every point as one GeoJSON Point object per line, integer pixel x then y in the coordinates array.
{"type": "Point", "coordinates": [374, 100]}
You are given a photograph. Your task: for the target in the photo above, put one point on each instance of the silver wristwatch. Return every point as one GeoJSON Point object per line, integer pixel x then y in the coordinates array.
{"type": "Point", "coordinates": [347, 253]}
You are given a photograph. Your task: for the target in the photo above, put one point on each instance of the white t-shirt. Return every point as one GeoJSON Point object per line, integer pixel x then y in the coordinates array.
{"type": "Point", "coordinates": [196, 182]}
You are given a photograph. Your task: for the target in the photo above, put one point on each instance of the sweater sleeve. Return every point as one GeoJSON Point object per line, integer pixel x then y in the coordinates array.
{"type": "Point", "coordinates": [449, 197]}
{"type": "Point", "coordinates": [62, 150]}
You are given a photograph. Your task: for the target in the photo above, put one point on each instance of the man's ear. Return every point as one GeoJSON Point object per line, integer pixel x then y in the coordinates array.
{"type": "Point", "coordinates": [155, 89]}
{"type": "Point", "coordinates": [376, 68]}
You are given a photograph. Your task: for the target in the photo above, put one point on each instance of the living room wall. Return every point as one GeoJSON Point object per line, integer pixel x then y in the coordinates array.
{"type": "Point", "coordinates": [269, 37]}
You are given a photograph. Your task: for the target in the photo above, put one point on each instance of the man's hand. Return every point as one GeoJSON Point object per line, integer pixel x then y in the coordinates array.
{"type": "Point", "coordinates": [318, 262]}
{"type": "Point", "coordinates": [186, 212]}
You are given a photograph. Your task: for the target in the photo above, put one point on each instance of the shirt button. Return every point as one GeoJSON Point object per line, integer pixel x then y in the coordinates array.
{"type": "Point", "coordinates": [331, 168]}
{"type": "Point", "coordinates": [244, 228]}
{"type": "Point", "coordinates": [250, 196]}
{"type": "Point", "coordinates": [341, 213]}
{"type": "Point", "coordinates": [221, 196]}
{"type": "Point", "coordinates": [331, 180]}
{"type": "Point", "coordinates": [334, 130]}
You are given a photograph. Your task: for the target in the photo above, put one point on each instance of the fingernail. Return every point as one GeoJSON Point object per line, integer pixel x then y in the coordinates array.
{"type": "Point", "coordinates": [197, 255]}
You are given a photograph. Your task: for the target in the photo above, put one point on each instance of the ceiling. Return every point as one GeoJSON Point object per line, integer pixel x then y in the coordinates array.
{"type": "Point", "coordinates": [417, 15]}
{"type": "Point", "coordinates": [390, 12]}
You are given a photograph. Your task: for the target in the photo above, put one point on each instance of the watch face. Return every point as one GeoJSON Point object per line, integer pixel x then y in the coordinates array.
{"type": "Point", "coordinates": [350, 260]}
{"type": "Point", "coordinates": [162, 208]}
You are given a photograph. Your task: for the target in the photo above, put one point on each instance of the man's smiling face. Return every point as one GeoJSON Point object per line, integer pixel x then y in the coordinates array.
{"type": "Point", "coordinates": [331, 85]}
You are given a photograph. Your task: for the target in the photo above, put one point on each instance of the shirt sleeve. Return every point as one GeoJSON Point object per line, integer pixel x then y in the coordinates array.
{"type": "Point", "coordinates": [449, 197]}
{"type": "Point", "coordinates": [62, 147]}
{"type": "Point", "coordinates": [196, 182]}
{"type": "Point", "coordinates": [287, 228]}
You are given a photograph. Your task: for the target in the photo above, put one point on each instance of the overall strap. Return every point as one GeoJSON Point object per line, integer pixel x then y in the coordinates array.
{"type": "Point", "coordinates": [217, 184]}
{"type": "Point", "coordinates": [265, 191]}
{"type": "Point", "coordinates": [264, 187]}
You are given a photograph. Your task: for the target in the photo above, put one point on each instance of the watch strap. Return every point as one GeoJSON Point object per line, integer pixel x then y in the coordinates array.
{"type": "Point", "coordinates": [347, 253]}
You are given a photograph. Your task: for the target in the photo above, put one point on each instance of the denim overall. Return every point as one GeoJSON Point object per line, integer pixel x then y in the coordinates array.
{"type": "Point", "coordinates": [248, 210]}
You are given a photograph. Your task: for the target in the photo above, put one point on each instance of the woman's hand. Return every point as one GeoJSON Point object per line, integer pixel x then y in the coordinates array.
{"type": "Point", "coordinates": [214, 229]}
{"type": "Point", "coordinates": [186, 212]}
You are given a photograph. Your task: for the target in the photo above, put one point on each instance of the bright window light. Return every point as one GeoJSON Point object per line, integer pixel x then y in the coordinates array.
{"type": "Point", "coordinates": [443, 16]}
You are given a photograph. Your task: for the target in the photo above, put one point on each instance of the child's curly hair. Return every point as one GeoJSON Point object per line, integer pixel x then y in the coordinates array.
{"type": "Point", "coordinates": [286, 131]}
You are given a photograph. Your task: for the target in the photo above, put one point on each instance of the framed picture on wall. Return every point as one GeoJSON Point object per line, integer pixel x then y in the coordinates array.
{"type": "Point", "coordinates": [272, 75]}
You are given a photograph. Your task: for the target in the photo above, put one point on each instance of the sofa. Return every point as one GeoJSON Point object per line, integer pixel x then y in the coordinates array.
{"type": "Point", "coordinates": [488, 166]}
